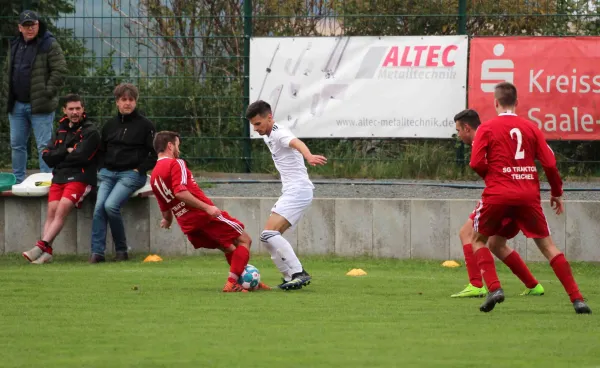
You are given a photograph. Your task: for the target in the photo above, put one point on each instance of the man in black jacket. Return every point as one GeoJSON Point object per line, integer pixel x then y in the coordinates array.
{"type": "Point", "coordinates": [73, 156]}
{"type": "Point", "coordinates": [35, 70]}
{"type": "Point", "coordinates": [127, 154]}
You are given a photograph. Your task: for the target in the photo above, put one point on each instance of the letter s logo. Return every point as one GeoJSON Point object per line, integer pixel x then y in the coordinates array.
{"type": "Point", "coordinates": [490, 78]}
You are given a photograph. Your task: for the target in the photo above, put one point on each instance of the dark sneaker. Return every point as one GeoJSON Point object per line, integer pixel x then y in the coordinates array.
{"type": "Point", "coordinates": [299, 280]}
{"type": "Point", "coordinates": [121, 256]}
{"type": "Point", "coordinates": [581, 307]}
{"type": "Point", "coordinates": [283, 282]}
{"type": "Point", "coordinates": [96, 258]}
{"type": "Point", "coordinates": [496, 296]}
{"type": "Point", "coordinates": [305, 276]}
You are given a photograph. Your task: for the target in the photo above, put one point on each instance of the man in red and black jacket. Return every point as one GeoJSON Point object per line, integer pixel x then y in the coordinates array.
{"type": "Point", "coordinates": [73, 156]}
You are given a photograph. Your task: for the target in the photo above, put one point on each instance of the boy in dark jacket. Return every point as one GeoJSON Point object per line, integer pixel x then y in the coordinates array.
{"type": "Point", "coordinates": [127, 155]}
{"type": "Point", "coordinates": [73, 156]}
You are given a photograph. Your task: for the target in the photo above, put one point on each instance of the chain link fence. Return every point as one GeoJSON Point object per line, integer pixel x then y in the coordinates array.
{"type": "Point", "coordinates": [190, 60]}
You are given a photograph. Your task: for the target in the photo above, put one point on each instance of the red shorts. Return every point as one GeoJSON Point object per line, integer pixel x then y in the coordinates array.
{"type": "Point", "coordinates": [219, 232]}
{"type": "Point", "coordinates": [494, 219]}
{"type": "Point", "coordinates": [509, 227]}
{"type": "Point", "coordinates": [74, 191]}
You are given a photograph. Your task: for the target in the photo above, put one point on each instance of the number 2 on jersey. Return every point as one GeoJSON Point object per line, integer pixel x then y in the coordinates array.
{"type": "Point", "coordinates": [520, 154]}
{"type": "Point", "coordinates": [164, 191]}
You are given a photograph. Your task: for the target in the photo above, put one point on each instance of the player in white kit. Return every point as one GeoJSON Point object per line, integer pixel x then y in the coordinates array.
{"type": "Point", "coordinates": [288, 154]}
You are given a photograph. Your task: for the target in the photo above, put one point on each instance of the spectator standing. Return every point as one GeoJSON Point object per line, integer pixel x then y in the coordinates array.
{"type": "Point", "coordinates": [35, 72]}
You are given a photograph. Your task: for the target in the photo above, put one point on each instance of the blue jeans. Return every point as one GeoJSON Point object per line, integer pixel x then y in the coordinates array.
{"type": "Point", "coordinates": [114, 189]}
{"type": "Point", "coordinates": [21, 122]}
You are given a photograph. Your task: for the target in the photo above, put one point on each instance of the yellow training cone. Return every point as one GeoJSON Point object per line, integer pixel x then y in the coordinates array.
{"type": "Point", "coordinates": [451, 264]}
{"type": "Point", "coordinates": [153, 258]}
{"type": "Point", "coordinates": [356, 272]}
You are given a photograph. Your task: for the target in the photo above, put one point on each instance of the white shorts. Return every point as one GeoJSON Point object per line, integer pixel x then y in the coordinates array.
{"type": "Point", "coordinates": [293, 204]}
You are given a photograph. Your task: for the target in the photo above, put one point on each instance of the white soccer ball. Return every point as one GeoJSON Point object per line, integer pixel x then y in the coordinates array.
{"type": "Point", "coordinates": [249, 278]}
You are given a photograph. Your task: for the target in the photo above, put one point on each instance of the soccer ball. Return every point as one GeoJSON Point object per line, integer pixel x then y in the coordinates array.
{"type": "Point", "coordinates": [249, 278]}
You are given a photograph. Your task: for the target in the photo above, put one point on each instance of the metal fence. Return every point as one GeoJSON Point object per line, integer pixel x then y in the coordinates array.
{"type": "Point", "coordinates": [190, 60]}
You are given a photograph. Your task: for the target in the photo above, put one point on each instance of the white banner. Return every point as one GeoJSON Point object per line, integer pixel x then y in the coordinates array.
{"type": "Point", "coordinates": [325, 87]}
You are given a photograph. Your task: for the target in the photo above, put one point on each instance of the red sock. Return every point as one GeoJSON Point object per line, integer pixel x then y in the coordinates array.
{"type": "Point", "coordinates": [485, 261]}
{"type": "Point", "coordinates": [472, 268]}
{"type": "Point", "coordinates": [520, 269]}
{"type": "Point", "coordinates": [239, 260]}
{"type": "Point", "coordinates": [44, 246]}
{"type": "Point", "coordinates": [562, 269]}
{"type": "Point", "coordinates": [228, 256]}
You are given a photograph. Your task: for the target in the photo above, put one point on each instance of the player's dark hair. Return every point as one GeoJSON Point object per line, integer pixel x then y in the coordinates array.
{"type": "Point", "coordinates": [72, 97]}
{"type": "Point", "coordinates": [506, 94]}
{"type": "Point", "coordinates": [126, 89]}
{"type": "Point", "coordinates": [469, 117]}
{"type": "Point", "coordinates": [259, 107]}
{"type": "Point", "coordinates": [162, 140]}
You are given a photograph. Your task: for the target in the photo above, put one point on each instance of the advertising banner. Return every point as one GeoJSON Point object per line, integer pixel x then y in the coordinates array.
{"type": "Point", "coordinates": [557, 80]}
{"type": "Point", "coordinates": [334, 87]}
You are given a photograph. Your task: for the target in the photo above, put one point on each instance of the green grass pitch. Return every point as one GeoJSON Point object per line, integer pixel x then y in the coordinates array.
{"type": "Point", "coordinates": [173, 314]}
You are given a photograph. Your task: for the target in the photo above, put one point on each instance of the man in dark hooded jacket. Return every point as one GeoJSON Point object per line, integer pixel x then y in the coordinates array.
{"type": "Point", "coordinates": [35, 72]}
{"type": "Point", "coordinates": [73, 155]}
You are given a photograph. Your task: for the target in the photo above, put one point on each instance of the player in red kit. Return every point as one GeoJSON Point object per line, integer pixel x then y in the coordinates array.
{"type": "Point", "coordinates": [467, 122]}
{"type": "Point", "coordinates": [504, 153]}
{"type": "Point", "coordinates": [204, 224]}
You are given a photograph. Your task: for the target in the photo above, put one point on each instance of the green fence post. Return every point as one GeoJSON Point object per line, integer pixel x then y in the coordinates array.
{"type": "Point", "coordinates": [247, 36]}
{"type": "Point", "coordinates": [462, 29]}
{"type": "Point", "coordinates": [462, 17]}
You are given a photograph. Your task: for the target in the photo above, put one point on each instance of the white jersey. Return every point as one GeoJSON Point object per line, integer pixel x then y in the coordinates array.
{"type": "Point", "coordinates": [288, 161]}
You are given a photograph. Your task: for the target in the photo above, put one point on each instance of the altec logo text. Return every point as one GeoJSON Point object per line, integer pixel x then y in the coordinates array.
{"type": "Point", "coordinates": [392, 62]}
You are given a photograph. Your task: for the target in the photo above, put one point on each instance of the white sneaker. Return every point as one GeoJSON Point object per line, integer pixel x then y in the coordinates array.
{"type": "Point", "coordinates": [33, 254]}
{"type": "Point", "coordinates": [44, 258]}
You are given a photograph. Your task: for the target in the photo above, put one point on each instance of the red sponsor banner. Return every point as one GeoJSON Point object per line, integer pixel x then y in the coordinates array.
{"type": "Point", "coordinates": [557, 80]}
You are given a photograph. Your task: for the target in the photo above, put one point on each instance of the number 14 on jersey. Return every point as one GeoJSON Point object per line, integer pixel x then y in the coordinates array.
{"type": "Point", "coordinates": [165, 192]}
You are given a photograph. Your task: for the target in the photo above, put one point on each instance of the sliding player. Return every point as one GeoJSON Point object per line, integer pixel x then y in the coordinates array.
{"type": "Point", "coordinates": [204, 224]}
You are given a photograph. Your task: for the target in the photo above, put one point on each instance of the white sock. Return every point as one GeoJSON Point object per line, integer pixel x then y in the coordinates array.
{"type": "Point", "coordinates": [279, 262]}
{"type": "Point", "coordinates": [282, 253]}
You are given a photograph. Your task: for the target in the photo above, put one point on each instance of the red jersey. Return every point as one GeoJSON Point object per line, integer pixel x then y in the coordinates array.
{"type": "Point", "coordinates": [504, 152]}
{"type": "Point", "coordinates": [169, 177]}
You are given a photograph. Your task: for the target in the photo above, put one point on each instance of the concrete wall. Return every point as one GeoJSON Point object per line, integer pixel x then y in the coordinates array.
{"type": "Point", "coordinates": [398, 228]}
